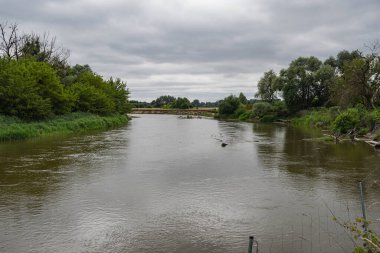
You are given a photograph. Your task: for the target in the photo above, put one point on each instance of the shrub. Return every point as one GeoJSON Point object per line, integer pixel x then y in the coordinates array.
{"type": "Point", "coordinates": [181, 103]}
{"type": "Point", "coordinates": [268, 118]}
{"type": "Point", "coordinates": [346, 121]}
{"type": "Point", "coordinates": [91, 99]}
{"type": "Point", "coordinates": [247, 115]}
{"type": "Point", "coordinates": [241, 110]}
{"type": "Point", "coordinates": [229, 105]}
{"type": "Point", "coordinates": [261, 109]}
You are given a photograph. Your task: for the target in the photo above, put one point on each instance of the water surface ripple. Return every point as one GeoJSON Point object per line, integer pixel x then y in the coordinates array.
{"type": "Point", "coordinates": [164, 184]}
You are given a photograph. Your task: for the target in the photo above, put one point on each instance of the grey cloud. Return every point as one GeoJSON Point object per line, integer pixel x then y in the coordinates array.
{"type": "Point", "coordinates": [195, 48]}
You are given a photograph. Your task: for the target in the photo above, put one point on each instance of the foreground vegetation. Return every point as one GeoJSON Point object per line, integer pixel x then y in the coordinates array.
{"type": "Point", "coordinates": [12, 128]}
{"type": "Point", "coordinates": [37, 83]}
{"type": "Point", "coordinates": [40, 93]}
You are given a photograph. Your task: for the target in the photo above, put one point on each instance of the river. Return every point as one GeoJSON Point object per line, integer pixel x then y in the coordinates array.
{"type": "Point", "coordinates": [165, 184]}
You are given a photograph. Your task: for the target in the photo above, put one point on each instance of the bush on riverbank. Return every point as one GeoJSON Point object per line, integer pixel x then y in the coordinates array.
{"type": "Point", "coordinates": [12, 128]}
{"type": "Point", "coordinates": [37, 83]}
{"type": "Point", "coordinates": [353, 121]}
{"type": "Point", "coordinates": [232, 108]}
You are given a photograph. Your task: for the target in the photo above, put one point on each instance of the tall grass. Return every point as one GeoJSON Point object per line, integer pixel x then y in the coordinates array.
{"type": "Point", "coordinates": [320, 118]}
{"type": "Point", "coordinates": [357, 120]}
{"type": "Point", "coordinates": [15, 129]}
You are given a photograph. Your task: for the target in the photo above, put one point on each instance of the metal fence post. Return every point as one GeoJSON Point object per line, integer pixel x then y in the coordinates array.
{"type": "Point", "coordinates": [250, 245]}
{"type": "Point", "coordinates": [363, 206]}
{"type": "Point", "coordinates": [364, 212]}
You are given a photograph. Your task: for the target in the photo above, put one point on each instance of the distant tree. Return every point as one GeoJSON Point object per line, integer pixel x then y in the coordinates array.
{"type": "Point", "coordinates": [181, 103]}
{"type": "Point", "coordinates": [242, 98]}
{"type": "Point", "coordinates": [195, 103]}
{"type": "Point", "coordinates": [229, 105]}
{"type": "Point", "coordinates": [139, 104]}
{"type": "Point", "coordinates": [163, 100]}
{"type": "Point", "coordinates": [267, 87]}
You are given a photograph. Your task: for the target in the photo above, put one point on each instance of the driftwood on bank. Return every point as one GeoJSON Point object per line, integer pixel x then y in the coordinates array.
{"type": "Point", "coordinates": [375, 144]}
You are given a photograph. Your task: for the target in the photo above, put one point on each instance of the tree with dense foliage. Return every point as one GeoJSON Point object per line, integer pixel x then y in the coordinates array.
{"type": "Point", "coordinates": [305, 83]}
{"type": "Point", "coordinates": [163, 100]}
{"type": "Point", "coordinates": [181, 103]}
{"type": "Point", "coordinates": [36, 82]}
{"type": "Point", "coordinates": [267, 87]}
{"type": "Point", "coordinates": [31, 90]}
{"type": "Point", "coordinates": [242, 98]}
{"type": "Point", "coordinates": [358, 81]}
{"type": "Point", "coordinates": [229, 105]}
{"type": "Point", "coordinates": [342, 58]}
{"type": "Point", "coordinates": [140, 104]}
{"type": "Point", "coordinates": [196, 103]}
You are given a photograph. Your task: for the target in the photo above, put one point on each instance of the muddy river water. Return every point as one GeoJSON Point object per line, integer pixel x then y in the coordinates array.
{"type": "Point", "coordinates": [165, 184]}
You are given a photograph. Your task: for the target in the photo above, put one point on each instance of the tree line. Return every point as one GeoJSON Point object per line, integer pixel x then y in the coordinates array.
{"type": "Point", "coordinates": [171, 102]}
{"type": "Point", "coordinates": [36, 81]}
{"type": "Point", "coordinates": [351, 78]}
{"type": "Point", "coordinates": [346, 80]}
{"type": "Point", "coordinates": [341, 93]}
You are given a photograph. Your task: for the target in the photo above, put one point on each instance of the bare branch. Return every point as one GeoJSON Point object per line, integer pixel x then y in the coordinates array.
{"type": "Point", "coordinates": [9, 39]}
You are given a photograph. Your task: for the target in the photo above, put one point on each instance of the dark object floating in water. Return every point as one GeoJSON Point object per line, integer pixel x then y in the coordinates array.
{"type": "Point", "coordinates": [224, 144]}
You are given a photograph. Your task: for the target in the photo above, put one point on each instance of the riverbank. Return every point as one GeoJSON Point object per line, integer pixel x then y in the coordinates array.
{"type": "Point", "coordinates": [12, 128]}
{"type": "Point", "coordinates": [356, 123]}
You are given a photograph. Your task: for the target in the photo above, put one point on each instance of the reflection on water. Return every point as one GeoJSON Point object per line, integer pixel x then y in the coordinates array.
{"type": "Point", "coordinates": [164, 184]}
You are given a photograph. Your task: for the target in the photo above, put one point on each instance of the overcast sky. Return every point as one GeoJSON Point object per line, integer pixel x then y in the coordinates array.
{"type": "Point", "coordinates": [205, 49]}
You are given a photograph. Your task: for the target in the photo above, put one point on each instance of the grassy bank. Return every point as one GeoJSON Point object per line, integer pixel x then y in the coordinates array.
{"type": "Point", "coordinates": [355, 121]}
{"type": "Point", "coordinates": [341, 122]}
{"type": "Point", "coordinates": [12, 128]}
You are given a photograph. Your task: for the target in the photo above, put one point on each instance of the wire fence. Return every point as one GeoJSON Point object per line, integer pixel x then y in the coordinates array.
{"type": "Point", "coordinates": [320, 231]}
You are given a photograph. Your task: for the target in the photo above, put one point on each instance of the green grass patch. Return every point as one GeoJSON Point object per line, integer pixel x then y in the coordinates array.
{"type": "Point", "coordinates": [320, 118]}
{"type": "Point", "coordinates": [15, 129]}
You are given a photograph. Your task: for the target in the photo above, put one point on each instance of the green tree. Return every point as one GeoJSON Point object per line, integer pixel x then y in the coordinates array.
{"type": "Point", "coordinates": [346, 121]}
{"type": "Point", "coordinates": [358, 82]}
{"type": "Point", "coordinates": [342, 58]}
{"type": "Point", "coordinates": [91, 99]}
{"type": "Point", "coordinates": [267, 86]}
{"type": "Point", "coordinates": [163, 100]}
{"type": "Point", "coordinates": [323, 80]}
{"type": "Point", "coordinates": [260, 109]}
{"type": "Point", "coordinates": [31, 90]}
{"type": "Point", "coordinates": [71, 74]}
{"type": "Point", "coordinates": [118, 91]}
{"type": "Point", "coordinates": [195, 103]}
{"type": "Point", "coordinates": [229, 105]}
{"type": "Point", "coordinates": [305, 83]}
{"type": "Point", "coordinates": [181, 103]}
{"type": "Point", "coordinates": [243, 99]}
